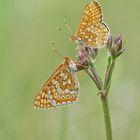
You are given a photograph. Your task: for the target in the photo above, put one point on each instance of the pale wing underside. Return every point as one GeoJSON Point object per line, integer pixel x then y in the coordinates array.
{"type": "Point", "coordinates": [92, 31]}
{"type": "Point", "coordinates": [91, 16]}
{"type": "Point", "coordinates": [61, 89]}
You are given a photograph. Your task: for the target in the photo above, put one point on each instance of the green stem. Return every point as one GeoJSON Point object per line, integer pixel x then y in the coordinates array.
{"type": "Point", "coordinates": [104, 99]}
{"type": "Point", "coordinates": [94, 79]}
{"type": "Point", "coordinates": [64, 124]}
{"type": "Point", "coordinates": [94, 72]}
{"type": "Point", "coordinates": [107, 119]}
{"type": "Point", "coordinates": [108, 76]}
{"type": "Point", "coordinates": [103, 91]}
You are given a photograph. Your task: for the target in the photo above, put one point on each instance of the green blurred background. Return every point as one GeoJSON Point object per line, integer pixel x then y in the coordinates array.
{"type": "Point", "coordinates": [26, 61]}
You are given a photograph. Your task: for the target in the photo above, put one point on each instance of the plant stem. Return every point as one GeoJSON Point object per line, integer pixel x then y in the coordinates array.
{"type": "Point", "coordinates": [104, 99]}
{"type": "Point", "coordinates": [107, 119]}
{"type": "Point", "coordinates": [105, 107]}
{"type": "Point", "coordinates": [108, 76]}
{"type": "Point", "coordinates": [64, 124]}
{"type": "Point", "coordinates": [93, 78]}
{"type": "Point", "coordinates": [104, 90]}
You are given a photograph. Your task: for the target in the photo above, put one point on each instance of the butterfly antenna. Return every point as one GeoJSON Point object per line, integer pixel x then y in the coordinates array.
{"type": "Point", "coordinates": [54, 48]}
{"type": "Point", "coordinates": [68, 27]}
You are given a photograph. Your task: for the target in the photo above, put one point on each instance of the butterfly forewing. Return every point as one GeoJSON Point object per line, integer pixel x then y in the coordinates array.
{"type": "Point", "coordinates": [62, 88]}
{"type": "Point", "coordinates": [92, 31]}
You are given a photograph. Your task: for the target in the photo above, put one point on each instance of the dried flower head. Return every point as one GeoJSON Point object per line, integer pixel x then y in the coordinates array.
{"type": "Point", "coordinates": [115, 46]}
{"type": "Point", "coordinates": [118, 42]}
{"type": "Point", "coordinates": [86, 55]}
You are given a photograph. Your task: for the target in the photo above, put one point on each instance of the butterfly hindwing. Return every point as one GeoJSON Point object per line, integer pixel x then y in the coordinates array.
{"type": "Point", "coordinates": [60, 89]}
{"type": "Point", "coordinates": [92, 30]}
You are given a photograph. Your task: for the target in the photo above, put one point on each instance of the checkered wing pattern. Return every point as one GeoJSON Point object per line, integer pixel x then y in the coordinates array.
{"type": "Point", "coordinates": [62, 87]}
{"type": "Point", "coordinates": [92, 30]}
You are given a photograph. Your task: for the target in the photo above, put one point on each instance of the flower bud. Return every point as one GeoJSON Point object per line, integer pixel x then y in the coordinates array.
{"type": "Point", "coordinates": [82, 56]}
{"type": "Point", "coordinates": [118, 42]}
{"type": "Point", "coordinates": [109, 42]}
{"type": "Point", "coordinates": [91, 52]}
{"type": "Point", "coordinates": [116, 48]}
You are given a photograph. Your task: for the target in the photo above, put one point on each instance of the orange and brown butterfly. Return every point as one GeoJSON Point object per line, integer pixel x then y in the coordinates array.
{"type": "Point", "coordinates": [92, 31]}
{"type": "Point", "coordinates": [62, 87]}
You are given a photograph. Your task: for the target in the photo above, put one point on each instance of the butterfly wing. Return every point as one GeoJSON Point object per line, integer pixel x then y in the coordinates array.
{"type": "Point", "coordinates": [60, 89]}
{"type": "Point", "coordinates": [88, 31]}
{"type": "Point", "coordinates": [102, 32]}
{"type": "Point", "coordinates": [91, 16]}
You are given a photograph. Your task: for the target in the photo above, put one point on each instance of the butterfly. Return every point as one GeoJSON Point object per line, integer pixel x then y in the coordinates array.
{"type": "Point", "coordinates": [92, 31]}
{"type": "Point", "coordinates": [62, 87]}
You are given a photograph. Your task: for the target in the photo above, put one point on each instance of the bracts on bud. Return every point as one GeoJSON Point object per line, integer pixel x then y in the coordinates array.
{"type": "Point", "coordinates": [115, 46]}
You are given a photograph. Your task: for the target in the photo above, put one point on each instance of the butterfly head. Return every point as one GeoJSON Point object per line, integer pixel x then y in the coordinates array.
{"type": "Point", "coordinates": [71, 65]}
{"type": "Point", "coordinates": [77, 40]}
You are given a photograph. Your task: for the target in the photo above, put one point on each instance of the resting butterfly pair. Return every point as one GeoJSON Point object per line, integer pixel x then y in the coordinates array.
{"type": "Point", "coordinates": [62, 87]}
